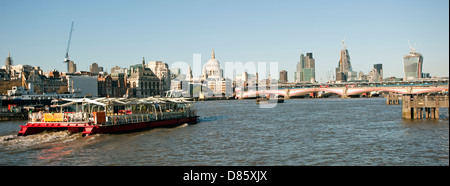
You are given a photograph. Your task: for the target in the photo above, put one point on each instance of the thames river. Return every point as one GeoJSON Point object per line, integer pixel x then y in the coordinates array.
{"type": "Point", "coordinates": [325, 132]}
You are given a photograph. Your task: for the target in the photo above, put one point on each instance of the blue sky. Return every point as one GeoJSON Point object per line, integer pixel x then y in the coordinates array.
{"type": "Point", "coordinates": [119, 32]}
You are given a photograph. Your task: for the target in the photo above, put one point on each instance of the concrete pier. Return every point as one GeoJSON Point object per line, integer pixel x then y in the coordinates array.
{"type": "Point", "coordinates": [423, 106]}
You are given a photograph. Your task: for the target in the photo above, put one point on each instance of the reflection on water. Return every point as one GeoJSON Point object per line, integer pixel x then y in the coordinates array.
{"type": "Point", "coordinates": [297, 132]}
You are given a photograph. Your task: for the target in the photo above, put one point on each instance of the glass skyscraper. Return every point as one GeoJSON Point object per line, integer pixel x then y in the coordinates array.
{"type": "Point", "coordinates": [412, 66]}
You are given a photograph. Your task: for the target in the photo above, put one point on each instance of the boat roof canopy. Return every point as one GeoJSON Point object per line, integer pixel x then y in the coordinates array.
{"type": "Point", "coordinates": [122, 101]}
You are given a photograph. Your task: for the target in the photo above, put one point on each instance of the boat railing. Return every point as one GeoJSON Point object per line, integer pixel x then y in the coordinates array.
{"type": "Point", "coordinates": [138, 118]}
{"type": "Point", "coordinates": [61, 117]}
{"type": "Point", "coordinates": [130, 118]}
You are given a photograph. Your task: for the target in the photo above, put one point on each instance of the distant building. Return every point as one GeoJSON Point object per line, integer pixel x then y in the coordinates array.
{"type": "Point", "coordinates": [16, 71]}
{"type": "Point", "coordinates": [105, 88]}
{"type": "Point", "coordinates": [82, 86]}
{"type": "Point", "coordinates": [309, 72]}
{"type": "Point", "coordinates": [5, 71]}
{"type": "Point", "coordinates": [212, 68]}
{"type": "Point", "coordinates": [72, 67]}
{"type": "Point", "coordinates": [298, 76]}
{"type": "Point", "coordinates": [8, 64]}
{"type": "Point", "coordinates": [340, 76]}
{"type": "Point", "coordinates": [175, 72]}
{"type": "Point", "coordinates": [426, 75]}
{"type": "Point", "coordinates": [94, 68]}
{"type": "Point", "coordinates": [55, 82]}
{"type": "Point", "coordinates": [379, 68]}
{"type": "Point", "coordinates": [306, 69]}
{"type": "Point", "coordinates": [246, 81]}
{"type": "Point", "coordinates": [283, 76]}
{"type": "Point", "coordinates": [143, 82]}
{"type": "Point", "coordinates": [118, 84]}
{"type": "Point", "coordinates": [189, 76]}
{"type": "Point", "coordinates": [344, 68]}
{"type": "Point", "coordinates": [412, 65]}
{"type": "Point", "coordinates": [344, 60]}
{"type": "Point", "coordinates": [4, 75]}
{"type": "Point", "coordinates": [212, 76]}
{"type": "Point", "coordinates": [352, 76]}
{"type": "Point", "coordinates": [376, 74]}
{"type": "Point", "coordinates": [218, 86]}
{"type": "Point", "coordinates": [119, 70]}
{"type": "Point", "coordinates": [161, 70]}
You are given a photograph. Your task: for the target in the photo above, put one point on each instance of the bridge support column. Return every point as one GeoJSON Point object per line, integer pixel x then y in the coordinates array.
{"type": "Point", "coordinates": [416, 110]}
{"type": "Point", "coordinates": [287, 94]}
{"type": "Point", "coordinates": [436, 114]}
{"type": "Point", "coordinates": [420, 113]}
{"type": "Point", "coordinates": [344, 93]}
{"type": "Point", "coordinates": [406, 109]}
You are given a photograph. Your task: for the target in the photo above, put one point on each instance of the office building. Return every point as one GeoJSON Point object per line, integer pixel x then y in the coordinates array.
{"type": "Point", "coordinates": [306, 69]}
{"type": "Point", "coordinates": [72, 67]}
{"type": "Point", "coordinates": [344, 71]}
{"type": "Point", "coordinates": [412, 65]}
{"type": "Point", "coordinates": [283, 76]}
{"type": "Point", "coordinates": [298, 76]}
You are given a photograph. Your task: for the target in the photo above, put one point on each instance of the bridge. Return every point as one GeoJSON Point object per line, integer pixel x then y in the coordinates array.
{"type": "Point", "coordinates": [344, 92]}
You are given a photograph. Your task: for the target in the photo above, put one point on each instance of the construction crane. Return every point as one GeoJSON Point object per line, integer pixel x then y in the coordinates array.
{"type": "Point", "coordinates": [413, 49]}
{"type": "Point", "coordinates": [66, 59]}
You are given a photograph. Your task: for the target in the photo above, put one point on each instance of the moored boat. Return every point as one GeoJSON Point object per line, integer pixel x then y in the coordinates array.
{"type": "Point", "coordinates": [111, 115]}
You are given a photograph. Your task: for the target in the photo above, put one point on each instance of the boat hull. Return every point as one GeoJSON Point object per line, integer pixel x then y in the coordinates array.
{"type": "Point", "coordinates": [89, 128]}
{"type": "Point", "coordinates": [139, 126]}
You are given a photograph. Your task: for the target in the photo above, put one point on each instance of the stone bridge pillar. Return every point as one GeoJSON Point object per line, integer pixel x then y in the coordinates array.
{"type": "Point", "coordinates": [287, 93]}
{"type": "Point", "coordinates": [409, 90]}
{"type": "Point", "coordinates": [344, 92]}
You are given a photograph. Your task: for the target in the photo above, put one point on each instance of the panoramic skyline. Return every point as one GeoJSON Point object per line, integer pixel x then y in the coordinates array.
{"type": "Point", "coordinates": [120, 33]}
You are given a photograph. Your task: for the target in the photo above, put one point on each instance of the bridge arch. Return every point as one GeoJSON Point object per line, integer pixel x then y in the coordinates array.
{"type": "Point", "coordinates": [282, 92]}
{"type": "Point", "coordinates": [303, 91]}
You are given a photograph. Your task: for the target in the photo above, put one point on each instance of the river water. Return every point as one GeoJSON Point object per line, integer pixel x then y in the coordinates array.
{"type": "Point", "coordinates": [238, 132]}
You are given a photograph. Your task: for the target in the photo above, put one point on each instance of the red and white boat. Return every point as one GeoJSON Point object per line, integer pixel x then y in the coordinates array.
{"type": "Point", "coordinates": [111, 115]}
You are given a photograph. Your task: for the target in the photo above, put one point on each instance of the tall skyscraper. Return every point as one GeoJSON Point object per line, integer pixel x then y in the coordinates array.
{"type": "Point", "coordinates": [306, 69]}
{"type": "Point", "coordinates": [412, 65]}
{"type": "Point", "coordinates": [344, 69]}
{"type": "Point", "coordinates": [344, 62]}
{"type": "Point", "coordinates": [309, 72]}
{"type": "Point", "coordinates": [379, 68]}
{"type": "Point", "coordinates": [376, 73]}
{"type": "Point", "coordinates": [283, 76]}
{"type": "Point", "coordinates": [298, 76]}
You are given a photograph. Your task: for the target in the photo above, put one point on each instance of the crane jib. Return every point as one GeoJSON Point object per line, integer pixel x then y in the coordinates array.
{"type": "Point", "coordinates": [66, 59]}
